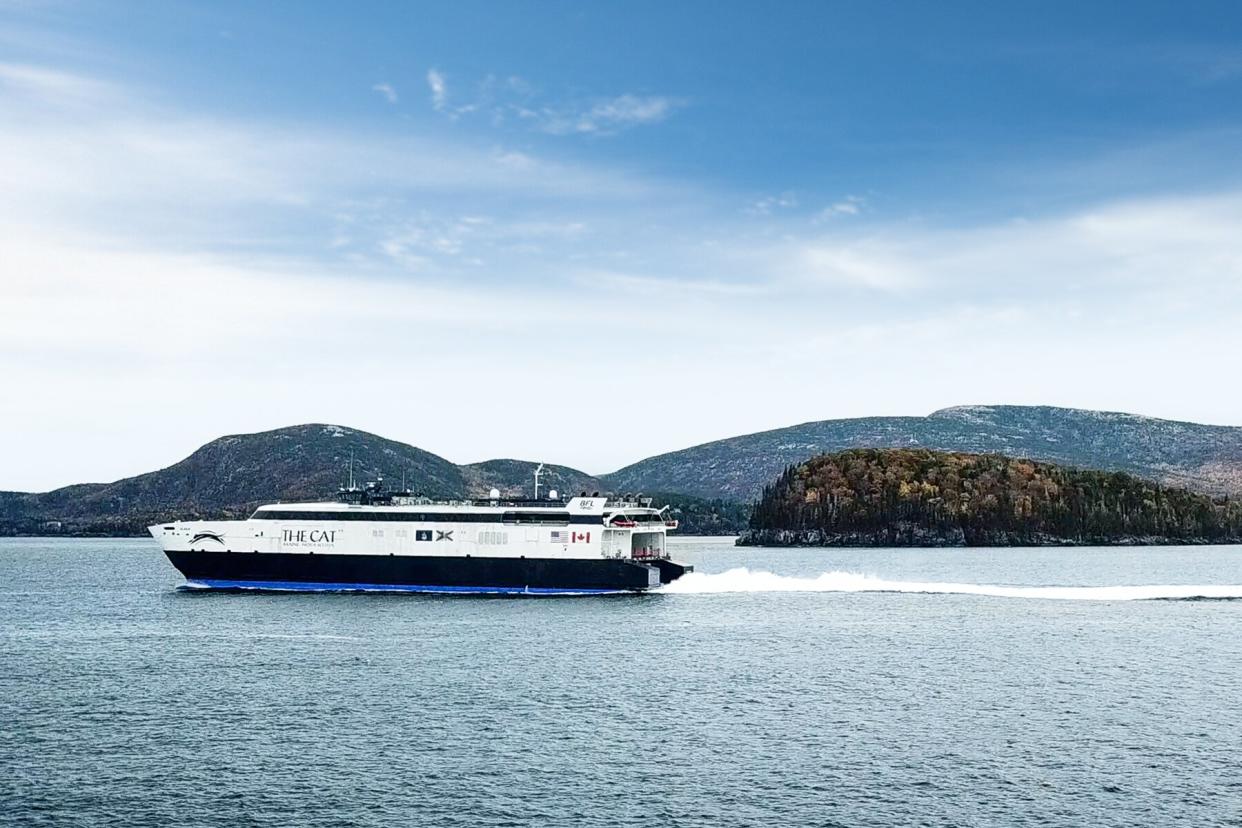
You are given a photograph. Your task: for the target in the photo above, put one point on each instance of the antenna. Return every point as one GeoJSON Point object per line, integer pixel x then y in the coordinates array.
{"type": "Point", "coordinates": [538, 472]}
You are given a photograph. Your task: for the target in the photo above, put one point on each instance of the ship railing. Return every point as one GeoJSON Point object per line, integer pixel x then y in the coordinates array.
{"type": "Point", "coordinates": [648, 554]}
{"type": "Point", "coordinates": [510, 501]}
{"type": "Point", "coordinates": [627, 502]}
{"type": "Point", "coordinates": [655, 520]}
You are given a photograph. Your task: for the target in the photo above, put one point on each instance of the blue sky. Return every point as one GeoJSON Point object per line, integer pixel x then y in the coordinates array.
{"type": "Point", "coordinates": [588, 233]}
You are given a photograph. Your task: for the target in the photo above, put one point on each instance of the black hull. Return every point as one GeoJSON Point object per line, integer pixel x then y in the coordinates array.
{"type": "Point", "coordinates": [401, 573]}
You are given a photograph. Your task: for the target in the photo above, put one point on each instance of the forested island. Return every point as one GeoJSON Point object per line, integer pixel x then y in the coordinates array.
{"type": "Point", "coordinates": [919, 497]}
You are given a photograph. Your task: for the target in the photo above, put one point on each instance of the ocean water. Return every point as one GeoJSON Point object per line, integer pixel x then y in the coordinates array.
{"type": "Point", "coordinates": [773, 687]}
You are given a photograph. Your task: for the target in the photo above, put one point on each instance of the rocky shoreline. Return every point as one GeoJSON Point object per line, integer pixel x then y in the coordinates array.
{"type": "Point", "coordinates": [922, 537]}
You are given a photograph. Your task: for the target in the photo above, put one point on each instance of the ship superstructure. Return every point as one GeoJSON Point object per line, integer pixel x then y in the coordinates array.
{"type": "Point", "coordinates": [372, 539]}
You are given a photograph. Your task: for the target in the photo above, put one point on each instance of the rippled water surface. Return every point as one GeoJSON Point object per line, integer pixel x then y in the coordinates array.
{"type": "Point", "coordinates": [779, 687]}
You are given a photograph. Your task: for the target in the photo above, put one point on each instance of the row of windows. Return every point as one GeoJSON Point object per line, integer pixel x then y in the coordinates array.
{"type": "Point", "coordinates": [537, 518]}
{"type": "Point", "coordinates": [551, 518]}
{"type": "Point", "coordinates": [486, 537]}
{"type": "Point", "coordinates": [419, 534]}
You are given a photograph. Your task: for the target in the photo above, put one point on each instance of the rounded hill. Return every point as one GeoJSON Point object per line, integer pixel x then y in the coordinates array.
{"type": "Point", "coordinates": [919, 497]}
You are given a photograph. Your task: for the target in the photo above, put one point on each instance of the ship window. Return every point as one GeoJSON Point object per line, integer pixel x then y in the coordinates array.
{"type": "Point", "coordinates": [536, 518]}
{"type": "Point", "coordinates": [488, 537]}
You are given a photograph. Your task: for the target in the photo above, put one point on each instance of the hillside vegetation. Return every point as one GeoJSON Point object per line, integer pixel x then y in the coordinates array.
{"type": "Point", "coordinates": [1202, 458]}
{"type": "Point", "coordinates": [919, 497]}
{"type": "Point", "coordinates": [229, 477]}
{"type": "Point", "coordinates": [515, 478]}
{"type": "Point", "coordinates": [704, 516]}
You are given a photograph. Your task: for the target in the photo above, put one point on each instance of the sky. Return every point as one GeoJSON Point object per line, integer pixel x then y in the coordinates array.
{"type": "Point", "coordinates": [591, 233]}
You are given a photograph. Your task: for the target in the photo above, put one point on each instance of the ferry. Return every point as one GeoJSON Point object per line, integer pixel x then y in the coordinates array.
{"type": "Point", "coordinates": [373, 540]}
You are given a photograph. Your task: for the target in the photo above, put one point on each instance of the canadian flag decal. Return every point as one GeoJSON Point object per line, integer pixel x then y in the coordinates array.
{"type": "Point", "coordinates": [582, 537]}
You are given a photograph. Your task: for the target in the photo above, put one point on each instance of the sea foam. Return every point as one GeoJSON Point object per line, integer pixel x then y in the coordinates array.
{"type": "Point", "coordinates": [747, 580]}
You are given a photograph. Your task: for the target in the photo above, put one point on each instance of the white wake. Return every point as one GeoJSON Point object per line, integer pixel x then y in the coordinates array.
{"type": "Point", "coordinates": [746, 580]}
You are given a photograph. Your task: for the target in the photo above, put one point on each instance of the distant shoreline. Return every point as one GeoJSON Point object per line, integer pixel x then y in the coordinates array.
{"type": "Point", "coordinates": [764, 539]}
{"type": "Point", "coordinates": [810, 538]}
{"type": "Point", "coordinates": [82, 535]}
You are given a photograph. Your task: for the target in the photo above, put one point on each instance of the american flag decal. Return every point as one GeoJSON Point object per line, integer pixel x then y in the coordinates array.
{"type": "Point", "coordinates": [560, 537]}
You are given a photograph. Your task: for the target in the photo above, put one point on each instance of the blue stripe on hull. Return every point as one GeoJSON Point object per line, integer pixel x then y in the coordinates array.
{"type": "Point", "coordinates": [308, 586]}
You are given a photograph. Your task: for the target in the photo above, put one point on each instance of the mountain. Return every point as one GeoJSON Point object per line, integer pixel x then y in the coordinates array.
{"type": "Point", "coordinates": [517, 477]}
{"type": "Point", "coordinates": [1204, 458]}
{"type": "Point", "coordinates": [918, 497]}
{"type": "Point", "coordinates": [232, 475]}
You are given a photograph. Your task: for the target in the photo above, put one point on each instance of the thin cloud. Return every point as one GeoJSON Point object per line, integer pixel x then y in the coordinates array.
{"type": "Point", "coordinates": [629, 110]}
{"type": "Point", "coordinates": [654, 287]}
{"type": "Point", "coordinates": [514, 100]}
{"type": "Point", "coordinates": [52, 86]}
{"type": "Point", "coordinates": [387, 91]}
{"type": "Point", "coordinates": [851, 265]}
{"type": "Point", "coordinates": [1146, 250]}
{"type": "Point", "coordinates": [848, 206]}
{"type": "Point", "coordinates": [608, 116]}
{"type": "Point", "coordinates": [768, 205]}
{"type": "Point", "coordinates": [119, 162]}
{"type": "Point", "coordinates": [439, 89]}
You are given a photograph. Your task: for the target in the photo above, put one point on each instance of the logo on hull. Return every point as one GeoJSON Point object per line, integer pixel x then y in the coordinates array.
{"type": "Point", "coordinates": [206, 536]}
{"type": "Point", "coordinates": [308, 537]}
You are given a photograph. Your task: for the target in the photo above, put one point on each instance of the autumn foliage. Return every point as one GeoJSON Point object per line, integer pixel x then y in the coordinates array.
{"type": "Point", "coordinates": [983, 499]}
